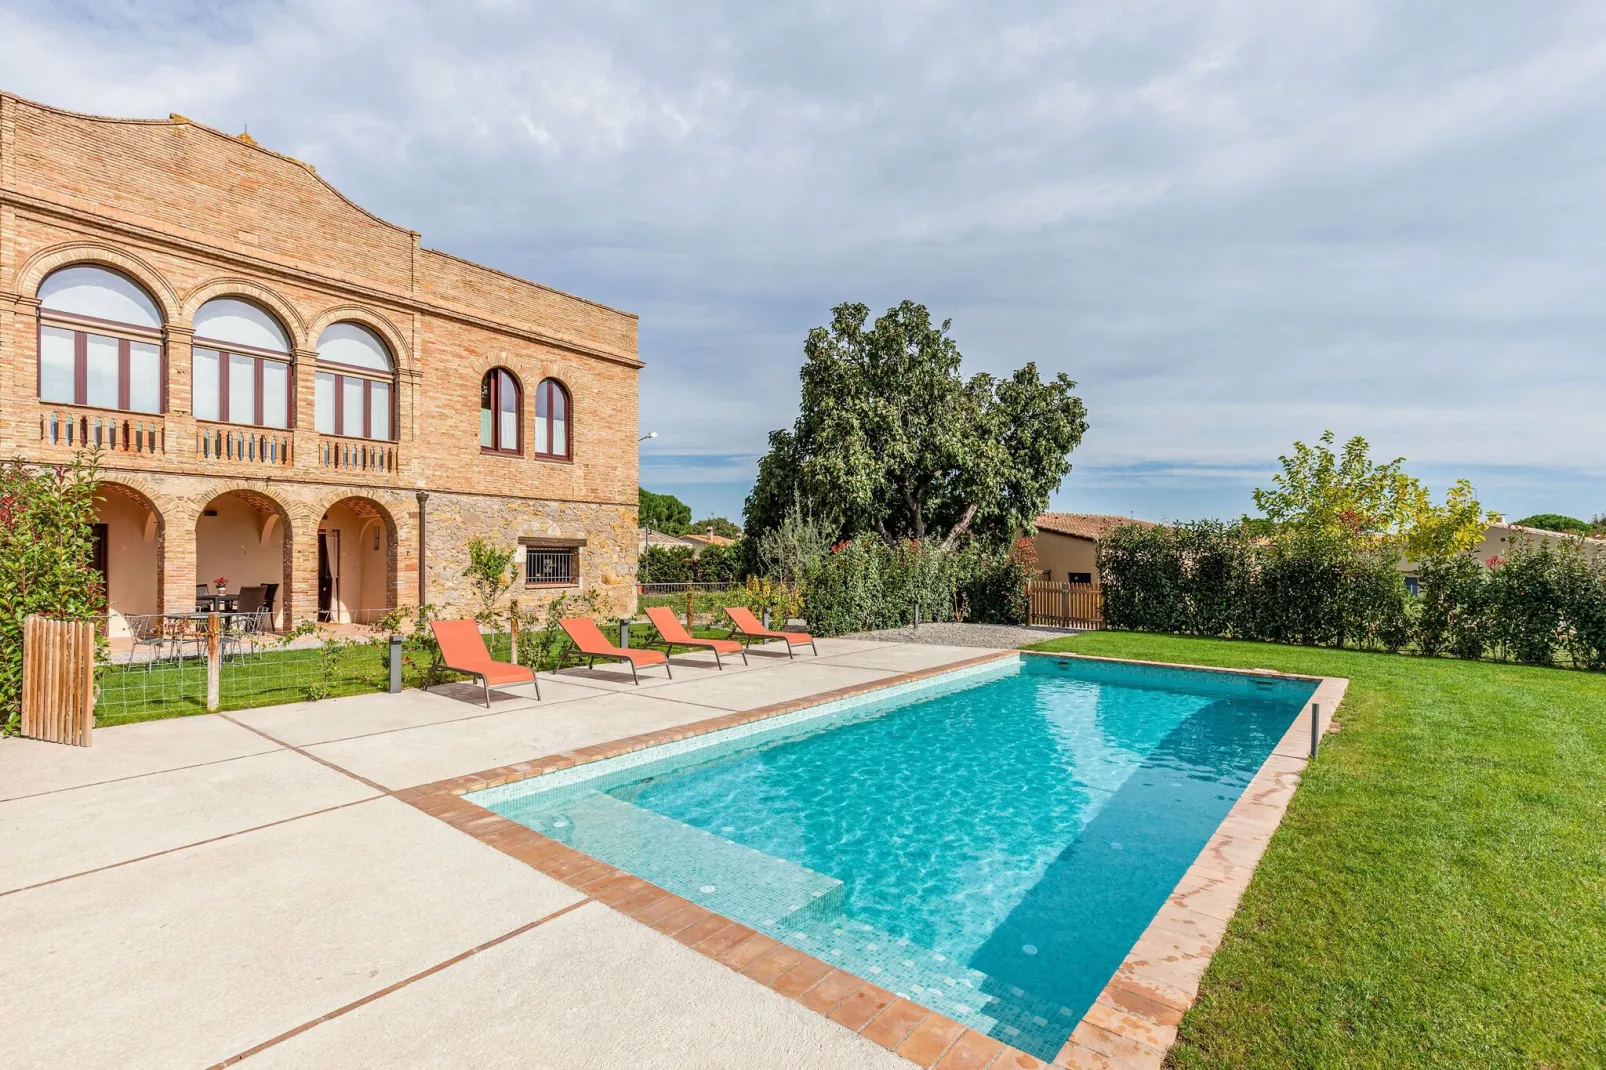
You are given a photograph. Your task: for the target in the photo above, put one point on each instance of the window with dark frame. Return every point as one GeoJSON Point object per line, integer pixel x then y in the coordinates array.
{"type": "Point", "coordinates": [551, 566]}
{"type": "Point", "coordinates": [501, 405]}
{"type": "Point", "coordinates": [237, 386]}
{"type": "Point", "coordinates": [552, 424]}
{"type": "Point", "coordinates": [103, 371]}
{"type": "Point", "coordinates": [1079, 577]}
{"type": "Point", "coordinates": [354, 390]}
{"type": "Point", "coordinates": [355, 406]}
{"type": "Point", "coordinates": [100, 341]}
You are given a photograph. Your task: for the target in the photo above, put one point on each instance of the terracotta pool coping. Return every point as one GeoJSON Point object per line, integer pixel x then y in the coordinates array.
{"type": "Point", "coordinates": [1130, 1025]}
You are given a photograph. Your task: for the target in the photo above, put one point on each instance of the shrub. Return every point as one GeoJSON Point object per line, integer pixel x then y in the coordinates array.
{"type": "Point", "coordinates": [992, 586]}
{"type": "Point", "coordinates": [47, 552]}
{"type": "Point", "coordinates": [1144, 582]}
{"type": "Point", "coordinates": [666, 564]}
{"type": "Point", "coordinates": [1544, 600]}
{"type": "Point", "coordinates": [718, 564]}
{"type": "Point", "coordinates": [865, 585]}
{"type": "Point", "coordinates": [1525, 603]}
{"type": "Point", "coordinates": [1452, 608]}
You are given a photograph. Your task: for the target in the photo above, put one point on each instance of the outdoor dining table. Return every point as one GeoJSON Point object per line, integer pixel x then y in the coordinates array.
{"type": "Point", "coordinates": [230, 603]}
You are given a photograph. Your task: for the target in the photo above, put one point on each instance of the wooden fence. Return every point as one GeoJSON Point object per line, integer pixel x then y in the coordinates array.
{"type": "Point", "coordinates": [58, 680]}
{"type": "Point", "coordinates": [1066, 605]}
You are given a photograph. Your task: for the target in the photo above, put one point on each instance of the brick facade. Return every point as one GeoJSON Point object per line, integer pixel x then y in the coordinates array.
{"type": "Point", "coordinates": [193, 214]}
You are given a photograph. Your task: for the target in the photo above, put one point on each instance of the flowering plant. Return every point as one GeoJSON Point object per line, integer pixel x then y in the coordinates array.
{"type": "Point", "coordinates": [221, 582]}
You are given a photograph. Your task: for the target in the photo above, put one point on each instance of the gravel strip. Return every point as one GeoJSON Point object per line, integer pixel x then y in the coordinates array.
{"type": "Point", "coordinates": [953, 634]}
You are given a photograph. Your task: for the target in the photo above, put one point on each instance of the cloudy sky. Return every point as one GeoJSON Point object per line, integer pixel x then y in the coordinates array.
{"type": "Point", "coordinates": [1233, 223]}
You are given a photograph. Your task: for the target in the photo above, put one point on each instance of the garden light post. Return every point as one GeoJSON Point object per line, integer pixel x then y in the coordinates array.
{"type": "Point", "coordinates": [395, 664]}
{"type": "Point", "coordinates": [1315, 727]}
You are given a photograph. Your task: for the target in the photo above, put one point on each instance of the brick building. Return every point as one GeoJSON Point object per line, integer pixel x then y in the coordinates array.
{"type": "Point", "coordinates": [289, 390]}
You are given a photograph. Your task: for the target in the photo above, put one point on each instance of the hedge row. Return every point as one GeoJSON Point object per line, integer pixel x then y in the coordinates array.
{"type": "Point", "coordinates": [681, 564]}
{"type": "Point", "coordinates": [1542, 604]}
{"type": "Point", "coordinates": [865, 584]}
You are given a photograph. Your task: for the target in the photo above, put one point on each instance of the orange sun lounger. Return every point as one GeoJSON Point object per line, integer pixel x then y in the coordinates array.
{"type": "Point", "coordinates": [748, 627]}
{"type": "Point", "coordinates": [462, 649]}
{"type": "Point", "coordinates": [587, 637]}
{"type": "Point", "coordinates": [675, 634]}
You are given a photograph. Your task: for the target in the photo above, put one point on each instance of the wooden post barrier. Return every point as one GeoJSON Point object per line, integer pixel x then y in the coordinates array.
{"type": "Point", "coordinates": [214, 661]}
{"type": "Point", "coordinates": [58, 680]}
{"type": "Point", "coordinates": [513, 630]}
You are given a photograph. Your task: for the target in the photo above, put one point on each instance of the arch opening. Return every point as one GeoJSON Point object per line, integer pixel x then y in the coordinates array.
{"type": "Point", "coordinates": [243, 539]}
{"type": "Point", "coordinates": [356, 562]}
{"type": "Point", "coordinates": [129, 534]}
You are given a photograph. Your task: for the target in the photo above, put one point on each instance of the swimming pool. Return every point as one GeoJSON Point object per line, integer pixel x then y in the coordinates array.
{"type": "Point", "coordinates": [988, 843]}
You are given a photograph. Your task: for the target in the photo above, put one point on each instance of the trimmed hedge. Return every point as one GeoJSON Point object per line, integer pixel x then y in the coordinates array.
{"type": "Point", "coordinates": [682, 564]}
{"type": "Point", "coordinates": [865, 584]}
{"type": "Point", "coordinates": [1542, 604]}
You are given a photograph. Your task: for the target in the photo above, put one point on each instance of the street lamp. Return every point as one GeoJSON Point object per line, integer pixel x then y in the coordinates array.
{"type": "Point", "coordinates": [649, 434]}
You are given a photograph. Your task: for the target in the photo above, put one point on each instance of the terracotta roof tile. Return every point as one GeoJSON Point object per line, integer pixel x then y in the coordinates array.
{"type": "Point", "coordinates": [1085, 525]}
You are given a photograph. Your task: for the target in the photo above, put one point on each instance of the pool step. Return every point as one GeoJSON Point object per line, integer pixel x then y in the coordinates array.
{"type": "Point", "coordinates": [701, 866]}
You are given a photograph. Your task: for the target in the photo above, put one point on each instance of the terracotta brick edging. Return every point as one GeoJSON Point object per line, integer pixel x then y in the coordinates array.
{"type": "Point", "coordinates": [1131, 1024]}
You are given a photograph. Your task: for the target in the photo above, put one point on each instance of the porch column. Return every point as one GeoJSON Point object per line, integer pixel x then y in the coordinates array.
{"type": "Point", "coordinates": [301, 601]}
{"type": "Point", "coordinates": [178, 557]}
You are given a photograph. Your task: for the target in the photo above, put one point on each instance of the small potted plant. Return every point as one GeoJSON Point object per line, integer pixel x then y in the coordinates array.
{"type": "Point", "coordinates": [221, 584]}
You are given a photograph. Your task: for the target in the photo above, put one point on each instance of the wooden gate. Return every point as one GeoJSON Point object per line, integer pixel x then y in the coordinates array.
{"type": "Point", "coordinates": [1066, 605]}
{"type": "Point", "coordinates": [58, 680]}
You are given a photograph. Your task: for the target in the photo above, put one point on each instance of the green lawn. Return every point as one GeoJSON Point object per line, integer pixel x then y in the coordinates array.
{"type": "Point", "coordinates": [1436, 895]}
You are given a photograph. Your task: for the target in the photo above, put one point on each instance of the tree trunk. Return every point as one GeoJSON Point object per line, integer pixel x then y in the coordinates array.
{"type": "Point", "coordinates": [960, 528]}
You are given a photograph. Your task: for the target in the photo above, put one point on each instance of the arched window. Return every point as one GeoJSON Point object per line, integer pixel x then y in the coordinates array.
{"type": "Point", "coordinates": [356, 386]}
{"type": "Point", "coordinates": [551, 420]}
{"type": "Point", "coordinates": [240, 365]}
{"type": "Point", "coordinates": [100, 341]}
{"type": "Point", "coordinates": [501, 403]}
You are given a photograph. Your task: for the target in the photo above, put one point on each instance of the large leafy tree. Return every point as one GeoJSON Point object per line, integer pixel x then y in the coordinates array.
{"type": "Point", "coordinates": [722, 527]}
{"type": "Point", "coordinates": [891, 439]}
{"type": "Point", "coordinates": [1349, 497]}
{"type": "Point", "coordinates": [663, 512]}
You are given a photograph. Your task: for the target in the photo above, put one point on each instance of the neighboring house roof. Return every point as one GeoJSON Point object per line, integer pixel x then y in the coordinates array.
{"type": "Point", "coordinates": [707, 539]}
{"type": "Point", "coordinates": [1094, 526]}
{"type": "Point", "coordinates": [1544, 533]}
{"type": "Point", "coordinates": [653, 537]}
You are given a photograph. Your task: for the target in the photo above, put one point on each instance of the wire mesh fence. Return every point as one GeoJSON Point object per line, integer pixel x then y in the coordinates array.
{"type": "Point", "coordinates": [176, 684]}
{"type": "Point", "coordinates": [149, 670]}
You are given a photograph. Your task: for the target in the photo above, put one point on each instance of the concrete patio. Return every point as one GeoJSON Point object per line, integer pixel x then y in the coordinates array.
{"type": "Point", "coordinates": [191, 891]}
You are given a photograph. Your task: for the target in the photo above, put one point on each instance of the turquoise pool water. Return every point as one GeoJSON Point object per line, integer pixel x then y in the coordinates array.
{"type": "Point", "coordinates": [989, 843]}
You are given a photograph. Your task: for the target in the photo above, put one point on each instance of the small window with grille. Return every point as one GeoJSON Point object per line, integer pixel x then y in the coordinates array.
{"type": "Point", "coordinates": [551, 566]}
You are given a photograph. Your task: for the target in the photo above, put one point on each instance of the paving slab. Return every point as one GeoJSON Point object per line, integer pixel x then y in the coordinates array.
{"type": "Point", "coordinates": [45, 837]}
{"type": "Point", "coordinates": [28, 766]}
{"type": "Point", "coordinates": [193, 957]}
{"type": "Point", "coordinates": [304, 723]}
{"type": "Point", "coordinates": [909, 657]}
{"type": "Point", "coordinates": [422, 755]}
{"type": "Point", "coordinates": [591, 990]}
{"type": "Point", "coordinates": [783, 683]}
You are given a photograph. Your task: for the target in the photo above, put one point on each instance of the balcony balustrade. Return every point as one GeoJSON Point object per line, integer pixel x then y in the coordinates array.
{"type": "Point", "coordinates": [248, 446]}
{"type": "Point", "coordinates": [112, 432]}
{"type": "Point", "coordinates": [357, 455]}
